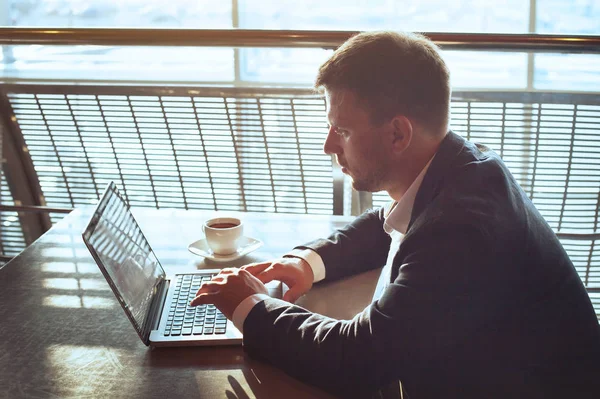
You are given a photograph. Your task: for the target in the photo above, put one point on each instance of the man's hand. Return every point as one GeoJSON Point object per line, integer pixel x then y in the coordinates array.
{"type": "Point", "coordinates": [296, 273]}
{"type": "Point", "coordinates": [228, 289]}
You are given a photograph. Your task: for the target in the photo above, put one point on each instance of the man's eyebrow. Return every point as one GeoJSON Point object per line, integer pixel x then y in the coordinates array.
{"type": "Point", "coordinates": [338, 124]}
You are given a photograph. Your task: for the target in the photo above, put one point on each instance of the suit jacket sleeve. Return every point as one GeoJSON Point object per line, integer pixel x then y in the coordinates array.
{"type": "Point", "coordinates": [360, 246]}
{"type": "Point", "coordinates": [404, 328]}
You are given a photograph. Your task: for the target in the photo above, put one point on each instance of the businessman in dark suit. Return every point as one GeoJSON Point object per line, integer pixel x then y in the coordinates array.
{"type": "Point", "coordinates": [477, 298]}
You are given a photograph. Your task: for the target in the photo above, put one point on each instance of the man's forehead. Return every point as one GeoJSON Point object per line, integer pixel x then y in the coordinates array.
{"type": "Point", "coordinates": [344, 109]}
{"type": "Point", "coordinates": [336, 98]}
{"type": "Point", "coordinates": [339, 106]}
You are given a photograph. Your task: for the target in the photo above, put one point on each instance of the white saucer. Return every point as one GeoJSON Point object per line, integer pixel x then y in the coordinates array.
{"type": "Point", "coordinates": [247, 245]}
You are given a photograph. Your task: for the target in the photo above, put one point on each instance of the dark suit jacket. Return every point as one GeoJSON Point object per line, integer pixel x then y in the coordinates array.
{"type": "Point", "coordinates": [483, 301]}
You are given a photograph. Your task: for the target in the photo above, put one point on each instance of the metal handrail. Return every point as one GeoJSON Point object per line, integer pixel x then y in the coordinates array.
{"type": "Point", "coordinates": [156, 90]}
{"type": "Point", "coordinates": [285, 38]}
{"type": "Point", "coordinates": [578, 236]}
{"type": "Point", "coordinates": [34, 209]}
{"type": "Point", "coordinates": [546, 97]}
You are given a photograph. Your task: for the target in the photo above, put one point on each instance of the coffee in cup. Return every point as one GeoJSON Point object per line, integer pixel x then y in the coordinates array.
{"type": "Point", "coordinates": [223, 234]}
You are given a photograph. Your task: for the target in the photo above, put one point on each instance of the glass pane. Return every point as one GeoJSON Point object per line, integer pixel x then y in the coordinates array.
{"type": "Point", "coordinates": [479, 69]}
{"type": "Point", "coordinates": [425, 15]}
{"type": "Point", "coordinates": [287, 66]}
{"type": "Point", "coordinates": [572, 72]}
{"type": "Point", "coordinates": [107, 63]}
{"type": "Point", "coordinates": [469, 69]}
{"type": "Point", "coordinates": [568, 17]}
{"type": "Point", "coordinates": [575, 72]}
{"type": "Point", "coordinates": [205, 14]}
{"type": "Point", "coordinates": [179, 64]}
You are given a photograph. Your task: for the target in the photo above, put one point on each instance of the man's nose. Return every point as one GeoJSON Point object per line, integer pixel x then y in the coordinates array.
{"type": "Point", "coordinates": [331, 146]}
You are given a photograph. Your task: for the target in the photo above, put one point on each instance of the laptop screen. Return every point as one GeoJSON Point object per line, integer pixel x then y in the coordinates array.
{"type": "Point", "coordinates": [121, 249]}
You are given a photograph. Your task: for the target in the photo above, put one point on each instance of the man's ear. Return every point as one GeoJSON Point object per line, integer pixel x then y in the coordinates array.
{"type": "Point", "coordinates": [402, 133]}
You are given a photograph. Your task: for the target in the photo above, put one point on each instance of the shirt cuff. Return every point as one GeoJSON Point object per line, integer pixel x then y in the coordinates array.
{"type": "Point", "coordinates": [243, 309]}
{"type": "Point", "coordinates": [313, 259]}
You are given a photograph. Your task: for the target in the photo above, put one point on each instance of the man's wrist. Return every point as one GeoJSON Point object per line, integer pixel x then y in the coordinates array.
{"type": "Point", "coordinates": [243, 309]}
{"type": "Point", "coordinates": [312, 258]}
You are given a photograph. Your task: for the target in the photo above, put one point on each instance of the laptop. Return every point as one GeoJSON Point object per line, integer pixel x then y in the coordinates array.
{"type": "Point", "coordinates": [157, 305]}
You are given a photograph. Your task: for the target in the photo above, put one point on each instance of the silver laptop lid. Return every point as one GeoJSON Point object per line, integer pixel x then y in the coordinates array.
{"type": "Point", "coordinates": [124, 256]}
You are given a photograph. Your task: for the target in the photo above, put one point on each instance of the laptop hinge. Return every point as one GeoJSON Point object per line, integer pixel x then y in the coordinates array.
{"type": "Point", "coordinates": [156, 307]}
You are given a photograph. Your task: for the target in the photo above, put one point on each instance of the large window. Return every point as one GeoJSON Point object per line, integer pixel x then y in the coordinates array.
{"type": "Point", "coordinates": [296, 67]}
{"type": "Point", "coordinates": [260, 148]}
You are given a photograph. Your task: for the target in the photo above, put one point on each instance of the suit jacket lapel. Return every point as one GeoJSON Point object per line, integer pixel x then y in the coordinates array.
{"type": "Point", "coordinates": [445, 157]}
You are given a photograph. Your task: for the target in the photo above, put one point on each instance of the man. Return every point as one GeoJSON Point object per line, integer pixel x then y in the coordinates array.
{"type": "Point", "coordinates": [477, 298]}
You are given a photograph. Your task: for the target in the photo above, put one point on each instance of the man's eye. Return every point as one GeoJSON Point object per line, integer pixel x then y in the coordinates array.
{"type": "Point", "coordinates": [341, 132]}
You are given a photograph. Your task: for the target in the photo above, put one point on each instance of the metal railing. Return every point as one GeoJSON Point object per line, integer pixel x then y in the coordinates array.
{"type": "Point", "coordinates": [285, 38]}
{"type": "Point", "coordinates": [244, 38]}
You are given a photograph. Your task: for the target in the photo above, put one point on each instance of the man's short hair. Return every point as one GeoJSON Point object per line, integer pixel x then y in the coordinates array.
{"type": "Point", "coordinates": [392, 73]}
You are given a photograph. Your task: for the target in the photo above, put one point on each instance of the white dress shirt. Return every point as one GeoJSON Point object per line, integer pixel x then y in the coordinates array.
{"type": "Point", "coordinates": [397, 216]}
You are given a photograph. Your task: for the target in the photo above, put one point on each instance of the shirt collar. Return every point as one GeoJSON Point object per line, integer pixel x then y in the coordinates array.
{"type": "Point", "coordinates": [397, 213]}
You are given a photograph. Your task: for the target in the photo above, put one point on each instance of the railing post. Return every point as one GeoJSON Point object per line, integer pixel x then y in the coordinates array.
{"type": "Point", "coordinates": [20, 175]}
{"type": "Point", "coordinates": [338, 187]}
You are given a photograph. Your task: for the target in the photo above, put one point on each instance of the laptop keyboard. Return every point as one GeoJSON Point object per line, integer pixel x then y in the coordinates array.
{"type": "Point", "coordinates": [186, 320]}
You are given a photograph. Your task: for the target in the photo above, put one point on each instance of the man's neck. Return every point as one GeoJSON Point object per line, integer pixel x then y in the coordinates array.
{"type": "Point", "coordinates": [411, 166]}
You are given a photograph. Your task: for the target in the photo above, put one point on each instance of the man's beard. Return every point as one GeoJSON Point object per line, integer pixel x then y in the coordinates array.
{"type": "Point", "coordinates": [371, 183]}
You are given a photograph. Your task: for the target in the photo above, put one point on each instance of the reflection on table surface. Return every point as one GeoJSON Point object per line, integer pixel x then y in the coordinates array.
{"type": "Point", "coordinates": [63, 333]}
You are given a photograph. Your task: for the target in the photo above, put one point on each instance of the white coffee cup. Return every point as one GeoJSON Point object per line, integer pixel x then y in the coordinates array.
{"type": "Point", "coordinates": [223, 234]}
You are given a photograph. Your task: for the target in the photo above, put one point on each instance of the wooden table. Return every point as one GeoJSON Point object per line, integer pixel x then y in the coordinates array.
{"type": "Point", "coordinates": [63, 334]}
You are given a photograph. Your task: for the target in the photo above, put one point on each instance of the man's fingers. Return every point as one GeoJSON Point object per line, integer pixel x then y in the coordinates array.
{"type": "Point", "coordinates": [269, 275]}
{"type": "Point", "coordinates": [243, 272]}
{"type": "Point", "coordinates": [210, 286]}
{"type": "Point", "coordinates": [256, 268]}
{"type": "Point", "coordinates": [279, 274]}
{"type": "Point", "coordinates": [227, 270]}
{"type": "Point", "coordinates": [203, 298]}
{"type": "Point", "coordinates": [265, 272]}
{"type": "Point", "coordinates": [292, 295]}
{"type": "Point", "coordinates": [206, 291]}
